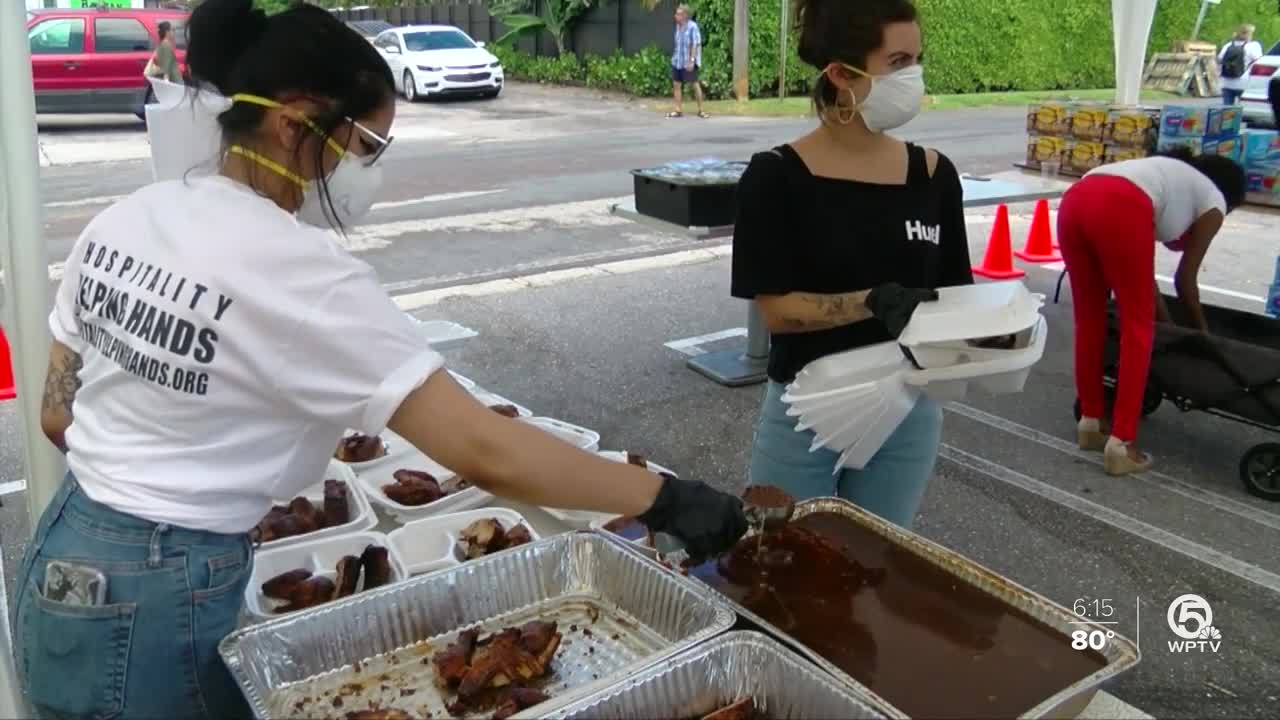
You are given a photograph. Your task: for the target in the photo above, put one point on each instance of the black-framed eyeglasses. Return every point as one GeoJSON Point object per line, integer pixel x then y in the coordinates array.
{"type": "Point", "coordinates": [372, 138]}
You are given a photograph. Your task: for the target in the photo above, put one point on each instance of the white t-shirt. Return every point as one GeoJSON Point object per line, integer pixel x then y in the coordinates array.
{"type": "Point", "coordinates": [226, 347]}
{"type": "Point", "coordinates": [1252, 53]}
{"type": "Point", "coordinates": [1179, 192]}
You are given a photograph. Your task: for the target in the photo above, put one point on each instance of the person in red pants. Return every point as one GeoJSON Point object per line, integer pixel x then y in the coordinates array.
{"type": "Point", "coordinates": [1108, 227]}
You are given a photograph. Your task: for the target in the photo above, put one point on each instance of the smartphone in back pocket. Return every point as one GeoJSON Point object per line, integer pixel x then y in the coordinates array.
{"type": "Point", "coordinates": [73, 584]}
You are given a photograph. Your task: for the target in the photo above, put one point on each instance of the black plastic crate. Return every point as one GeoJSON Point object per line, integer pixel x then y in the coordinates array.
{"type": "Point", "coordinates": [689, 201]}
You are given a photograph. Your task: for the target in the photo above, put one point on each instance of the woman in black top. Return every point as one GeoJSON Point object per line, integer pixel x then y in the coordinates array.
{"type": "Point", "coordinates": [834, 231]}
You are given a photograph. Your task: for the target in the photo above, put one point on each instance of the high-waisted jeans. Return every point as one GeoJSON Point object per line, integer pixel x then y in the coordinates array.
{"type": "Point", "coordinates": [893, 483]}
{"type": "Point", "coordinates": [151, 650]}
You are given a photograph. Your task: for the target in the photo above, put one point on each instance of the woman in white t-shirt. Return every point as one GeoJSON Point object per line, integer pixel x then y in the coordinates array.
{"type": "Point", "coordinates": [214, 343]}
{"type": "Point", "coordinates": [1108, 227]}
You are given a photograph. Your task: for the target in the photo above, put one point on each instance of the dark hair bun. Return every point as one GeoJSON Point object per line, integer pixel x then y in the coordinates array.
{"type": "Point", "coordinates": [845, 30]}
{"type": "Point", "coordinates": [219, 34]}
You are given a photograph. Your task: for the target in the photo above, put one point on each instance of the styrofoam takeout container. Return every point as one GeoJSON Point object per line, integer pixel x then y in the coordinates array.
{"type": "Point", "coordinates": [467, 383]}
{"type": "Point", "coordinates": [583, 519]}
{"type": "Point", "coordinates": [373, 478]}
{"type": "Point", "coordinates": [320, 557]}
{"type": "Point", "coordinates": [973, 311]}
{"type": "Point", "coordinates": [848, 369]}
{"type": "Point", "coordinates": [443, 334]}
{"type": "Point", "coordinates": [358, 507]}
{"type": "Point", "coordinates": [392, 443]}
{"type": "Point", "coordinates": [932, 356]}
{"type": "Point", "coordinates": [599, 525]}
{"type": "Point", "coordinates": [1006, 373]}
{"type": "Point", "coordinates": [800, 404]}
{"type": "Point", "coordinates": [430, 544]}
{"type": "Point", "coordinates": [491, 399]}
{"type": "Point", "coordinates": [577, 436]}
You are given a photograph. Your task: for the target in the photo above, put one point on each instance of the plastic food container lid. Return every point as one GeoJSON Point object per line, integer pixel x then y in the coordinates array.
{"type": "Point", "coordinates": [973, 311]}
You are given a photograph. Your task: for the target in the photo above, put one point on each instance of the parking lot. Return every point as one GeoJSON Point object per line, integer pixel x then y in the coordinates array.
{"type": "Point", "coordinates": [495, 215]}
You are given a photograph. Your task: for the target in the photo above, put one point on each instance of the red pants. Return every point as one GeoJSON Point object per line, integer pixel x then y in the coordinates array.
{"type": "Point", "coordinates": [1106, 229]}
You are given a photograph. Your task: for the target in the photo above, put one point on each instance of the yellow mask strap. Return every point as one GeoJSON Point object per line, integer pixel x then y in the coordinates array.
{"type": "Point", "coordinates": [269, 103]}
{"type": "Point", "coordinates": [269, 164]}
{"type": "Point", "coordinates": [855, 70]}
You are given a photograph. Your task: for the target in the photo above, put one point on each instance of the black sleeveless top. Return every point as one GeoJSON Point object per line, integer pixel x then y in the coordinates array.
{"type": "Point", "coordinates": [796, 232]}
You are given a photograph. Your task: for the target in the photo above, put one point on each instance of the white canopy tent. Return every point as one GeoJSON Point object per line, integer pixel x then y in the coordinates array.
{"type": "Point", "coordinates": [25, 266]}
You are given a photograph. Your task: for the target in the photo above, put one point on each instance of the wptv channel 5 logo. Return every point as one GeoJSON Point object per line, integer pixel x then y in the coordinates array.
{"type": "Point", "coordinates": [1191, 619]}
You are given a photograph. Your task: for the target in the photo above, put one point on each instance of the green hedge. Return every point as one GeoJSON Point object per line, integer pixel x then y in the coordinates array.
{"type": "Point", "coordinates": [971, 46]}
{"type": "Point", "coordinates": [646, 73]}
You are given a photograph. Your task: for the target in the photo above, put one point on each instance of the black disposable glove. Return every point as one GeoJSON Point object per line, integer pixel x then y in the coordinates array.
{"type": "Point", "coordinates": [706, 520]}
{"type": "Point", "coordinates": [894, 304]}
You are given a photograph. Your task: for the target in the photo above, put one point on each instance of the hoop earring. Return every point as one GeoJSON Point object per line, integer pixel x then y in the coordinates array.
{"type": "Point", "coordinates": [853, 109]}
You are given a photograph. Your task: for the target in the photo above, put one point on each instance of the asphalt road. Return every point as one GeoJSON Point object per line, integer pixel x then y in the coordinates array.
{"type": "Point", "coordinates": [490, 198]}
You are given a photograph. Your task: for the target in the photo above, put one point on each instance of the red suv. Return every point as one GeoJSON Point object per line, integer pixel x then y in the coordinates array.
{"type": "Point", "coordinates": [90, 60]}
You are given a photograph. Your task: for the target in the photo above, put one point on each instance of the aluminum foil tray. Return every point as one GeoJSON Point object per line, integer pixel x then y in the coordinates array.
{"type": "Point", "coordinates": [783, 685]}
{"type": "Point", "coordinates": [617, 612]}
{"type": "Point", "coordinates": [1120, 652]}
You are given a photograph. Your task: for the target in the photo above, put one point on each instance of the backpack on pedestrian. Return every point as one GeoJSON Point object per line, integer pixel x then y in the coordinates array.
{"type": "Point", "coordinates": [1233, 60]}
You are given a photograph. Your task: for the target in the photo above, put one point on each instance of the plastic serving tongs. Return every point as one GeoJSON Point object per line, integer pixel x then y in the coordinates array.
{"type": "Point", "coordinates": [760, 519]}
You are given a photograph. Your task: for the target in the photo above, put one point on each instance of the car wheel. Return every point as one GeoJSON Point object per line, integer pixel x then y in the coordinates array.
{"type": "Point", "coordinates": [490, 94]}
{"type": "Point", "coordinates": [410, 87]}
{"type": "Point", "coordinates": [1260, 471]}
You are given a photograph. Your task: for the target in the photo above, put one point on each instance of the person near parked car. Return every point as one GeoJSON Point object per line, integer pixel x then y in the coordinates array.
{"type": "Point", "coordinates": [686, 61]}
{"type": "Point", "coordinates": [164, 62]}
{"type": "Point", "coordinates": [212, 341]}
{"type": "Point", "coordinates": [1108, 226]}
{"type": "Point", "coordinates": [1235, 59]}
{"type": "Point", "coordinates": [840, 235]}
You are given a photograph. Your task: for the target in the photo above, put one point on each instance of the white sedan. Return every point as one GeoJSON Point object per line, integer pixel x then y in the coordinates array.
{"type": "Point", "coordinates": [1257, 106]}
{"type": "Point", "coordinates": [432, 60]}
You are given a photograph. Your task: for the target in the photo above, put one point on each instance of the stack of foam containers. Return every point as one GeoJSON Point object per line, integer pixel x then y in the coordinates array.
{"type": "Point", "coordinates": [853, 401]}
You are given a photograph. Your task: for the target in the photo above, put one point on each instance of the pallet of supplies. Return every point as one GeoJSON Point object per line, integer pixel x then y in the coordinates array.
{"type": "Point", "coordinates": [1089, 121]}
{"type": "Point", "coordinates": [1050, 118]}
{"type": "Point", "coordinates": [1200, 121]}
{"type": "Point", "coordinates": [1081, 156]}
{"type": "Point", "coordinates": [1132, 126]}
{"type": "Point", "coordinates": [1044, 148]}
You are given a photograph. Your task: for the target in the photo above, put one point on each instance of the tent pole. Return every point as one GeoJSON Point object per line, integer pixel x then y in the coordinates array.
{"type": "Point", "coordinates": [1131, 29]}
{"type": "Point", "coordinates": [26, 288]}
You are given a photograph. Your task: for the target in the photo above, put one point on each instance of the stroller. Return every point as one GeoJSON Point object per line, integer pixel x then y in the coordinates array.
{"type": "Point", "coordinates": [1235, 374]}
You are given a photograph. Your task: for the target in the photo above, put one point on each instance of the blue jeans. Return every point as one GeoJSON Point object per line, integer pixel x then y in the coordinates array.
{"type": "Point", "coordinates": [1231, 97]}
{"type": "Point", "coordinates": [151, 651]}
{"type": "Point", "coordinates": [893, 483]}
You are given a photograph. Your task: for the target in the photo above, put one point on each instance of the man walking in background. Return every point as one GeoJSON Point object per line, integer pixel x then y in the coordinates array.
{"type": "Point", "coordinates": [686, 61]}
{"type": "Point", "coordinates": [1234, 60]}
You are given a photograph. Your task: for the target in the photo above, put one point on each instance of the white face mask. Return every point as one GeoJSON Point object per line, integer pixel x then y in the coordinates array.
{"type": "Point", "coordinates": [894, 99]}
{"type": "Point", "coordinates": [352, 187]}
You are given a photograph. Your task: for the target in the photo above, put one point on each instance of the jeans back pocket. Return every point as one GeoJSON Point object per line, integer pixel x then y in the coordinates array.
{"type": "Point", "coordinates": [75, 657]}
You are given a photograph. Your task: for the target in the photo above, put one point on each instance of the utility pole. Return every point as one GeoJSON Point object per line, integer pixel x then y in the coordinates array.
{"type": "Point", "coordinates": [741, 48]}
{"type": "Point", "coordinates": [782, 50]}
{"type": "Point", "coordinates": [1204, 8]}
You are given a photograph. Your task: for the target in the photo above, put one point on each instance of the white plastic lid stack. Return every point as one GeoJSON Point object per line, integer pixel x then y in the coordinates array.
{"type": "Point", "coordinates": [182, 127]}
{"type": "Point", "coordinates": [968, 312]}
{"type": "Point", "coordinates": [853, 401]}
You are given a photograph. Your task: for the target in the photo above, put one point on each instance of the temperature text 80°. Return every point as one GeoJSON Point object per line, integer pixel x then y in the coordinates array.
{"type": "Point", "coordinates": [1090, 639]}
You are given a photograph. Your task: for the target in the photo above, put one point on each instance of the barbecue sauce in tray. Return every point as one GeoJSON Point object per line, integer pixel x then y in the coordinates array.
{"type": "Point", "coordinates": [930, 644]}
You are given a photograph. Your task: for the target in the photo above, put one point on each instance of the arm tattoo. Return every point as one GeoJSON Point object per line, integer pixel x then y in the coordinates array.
{"type": "Point", "coordinates": [62, 382]}
{"type": "Point", "coordinates": [829, 311]}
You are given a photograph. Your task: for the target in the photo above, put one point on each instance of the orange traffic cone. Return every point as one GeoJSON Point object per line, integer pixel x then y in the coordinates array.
{"type": "Point", "coordinates": [1039, 247]}
{"type": "Point", "coordinates": [8, 390]}
{"type": "Point", "coordinates": [998, 262]}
